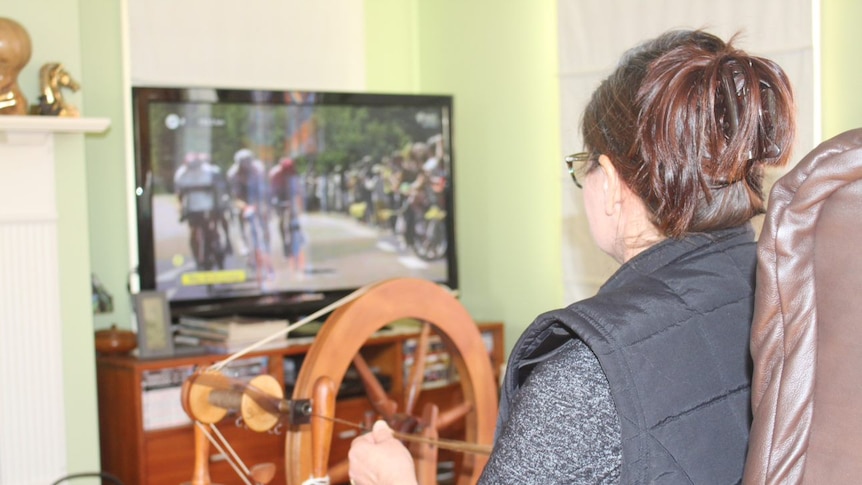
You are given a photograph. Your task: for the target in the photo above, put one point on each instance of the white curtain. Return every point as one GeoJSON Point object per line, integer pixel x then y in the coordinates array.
{"type": "Point", "coordinates": [593, 34]}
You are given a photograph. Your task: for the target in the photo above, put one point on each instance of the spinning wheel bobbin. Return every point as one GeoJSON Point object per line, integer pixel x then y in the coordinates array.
{"type": "Point", "coordinates": [208, 397]}
{"type": "Point", "coordinates": [195, 399]}
{"type": "Point", "coordinates": [255, 416]}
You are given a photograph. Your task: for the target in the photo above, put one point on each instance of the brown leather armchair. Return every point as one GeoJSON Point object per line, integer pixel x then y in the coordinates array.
{"type": "Point", "coordinates": [806, 339]}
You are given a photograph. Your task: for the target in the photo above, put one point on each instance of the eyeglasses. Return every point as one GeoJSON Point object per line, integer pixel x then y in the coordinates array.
{"type": "Point", "coordinates": [579, 158]}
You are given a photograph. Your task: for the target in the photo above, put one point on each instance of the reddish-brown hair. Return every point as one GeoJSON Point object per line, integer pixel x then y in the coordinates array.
{"type": "Point", "coordinates": [689, 121]}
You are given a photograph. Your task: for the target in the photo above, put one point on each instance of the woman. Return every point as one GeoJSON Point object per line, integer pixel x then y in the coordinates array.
{"type": "Point", "coordinates": [648, 381]}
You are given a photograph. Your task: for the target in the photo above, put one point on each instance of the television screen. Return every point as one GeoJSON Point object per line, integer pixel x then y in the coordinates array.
{"type": "Point", "coordinates": [252, 199]}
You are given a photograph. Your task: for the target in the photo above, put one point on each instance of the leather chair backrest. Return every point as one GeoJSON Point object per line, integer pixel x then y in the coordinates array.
{"type": "Point", "coordinates": [806, 339]}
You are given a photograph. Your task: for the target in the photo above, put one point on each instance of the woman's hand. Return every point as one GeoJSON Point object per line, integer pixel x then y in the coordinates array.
{"type": "Point", "coordinates": [377, 458]}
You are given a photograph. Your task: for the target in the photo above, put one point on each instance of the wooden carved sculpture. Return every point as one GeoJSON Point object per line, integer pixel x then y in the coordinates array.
{"type": "Point", "coordinates": [336, 348]}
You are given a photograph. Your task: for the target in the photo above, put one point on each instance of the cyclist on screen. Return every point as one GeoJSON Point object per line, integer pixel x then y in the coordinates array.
{"type": "Point", "coordinates": [248, 185]}
{"type": "Point", "coordinates": [287, 195]}
{"type": "Point", "coordinates": [195, 183]}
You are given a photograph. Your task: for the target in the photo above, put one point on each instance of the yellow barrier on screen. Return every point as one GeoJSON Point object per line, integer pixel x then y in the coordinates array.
{"type": "Point", "coordinates": [223, 277]}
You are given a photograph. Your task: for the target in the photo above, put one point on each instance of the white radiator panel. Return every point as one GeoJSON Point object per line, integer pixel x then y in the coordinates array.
{"type": "Point", "coordinates": [32, 420]}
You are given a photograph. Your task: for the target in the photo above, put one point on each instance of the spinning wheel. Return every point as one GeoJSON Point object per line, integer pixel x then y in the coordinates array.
{"type": "Point", "coordinates": [338, 345]}
{"type": "Point", "coordinates": [208, 395]}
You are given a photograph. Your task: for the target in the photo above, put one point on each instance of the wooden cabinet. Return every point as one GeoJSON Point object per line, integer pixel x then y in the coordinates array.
{"type": "Point", "coordinates": [147, 439]}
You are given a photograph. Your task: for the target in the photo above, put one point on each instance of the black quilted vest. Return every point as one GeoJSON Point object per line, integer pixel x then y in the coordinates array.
{"type": "Point", "coordinates": [671, 331]}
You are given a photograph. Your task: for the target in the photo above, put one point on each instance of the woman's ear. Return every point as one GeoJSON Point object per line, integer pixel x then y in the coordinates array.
{"type": "Point", "coordinates": [611, 185]}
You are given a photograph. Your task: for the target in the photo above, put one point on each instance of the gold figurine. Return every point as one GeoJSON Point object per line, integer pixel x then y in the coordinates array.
{"type": "Point", "coordinates": [52, 79]}
{"type": "Point", "coordinates": [15, 50]}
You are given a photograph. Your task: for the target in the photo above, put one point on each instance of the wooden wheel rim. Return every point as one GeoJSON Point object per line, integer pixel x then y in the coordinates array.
{"type": "Point", "coordinates": [354, 323]}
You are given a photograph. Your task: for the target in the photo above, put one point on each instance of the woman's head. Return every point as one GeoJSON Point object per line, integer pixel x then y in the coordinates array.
{"type": "Point", "coordinates": [689, 122]}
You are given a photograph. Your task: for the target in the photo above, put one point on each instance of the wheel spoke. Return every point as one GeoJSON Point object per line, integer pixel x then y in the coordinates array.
{"type": "Point", "coordinates": [380, 401]}
{"type": "Point", "coordinates": [417, 373]}
{"type": "Point", "coordinates": [452, 415]}
{"type": "Point", "coordinates": [425, 454]}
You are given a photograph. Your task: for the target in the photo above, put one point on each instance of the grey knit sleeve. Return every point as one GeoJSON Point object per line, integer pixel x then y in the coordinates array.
{"type": "Point", "coordinates": [563, 427]}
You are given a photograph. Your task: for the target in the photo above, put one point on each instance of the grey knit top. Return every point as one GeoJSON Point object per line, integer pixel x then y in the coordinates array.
{"type": "Point", "coordinates": [563, 426]}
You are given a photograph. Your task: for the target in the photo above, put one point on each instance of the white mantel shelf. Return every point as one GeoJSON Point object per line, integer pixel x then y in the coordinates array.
{"type": "Point", "coordinates": [52, 124]}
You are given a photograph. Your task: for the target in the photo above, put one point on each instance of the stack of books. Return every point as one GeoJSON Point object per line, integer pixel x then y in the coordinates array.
{"type": "Point", "coordinates": [227, 334]}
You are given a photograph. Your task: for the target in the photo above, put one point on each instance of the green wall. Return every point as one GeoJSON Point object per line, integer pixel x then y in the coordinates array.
{"type": "Point", "coordinates": [102, 72]}
{"type": "Point", "coordinates": [501, 69]}
{"type": "Point", "coordinates": [841, 66]}
{"type": "Point", "coordinates": [79, 364]}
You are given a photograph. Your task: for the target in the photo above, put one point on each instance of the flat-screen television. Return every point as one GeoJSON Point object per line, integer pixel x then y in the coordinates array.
{"type": "Point", "coordinates": [262, 201]}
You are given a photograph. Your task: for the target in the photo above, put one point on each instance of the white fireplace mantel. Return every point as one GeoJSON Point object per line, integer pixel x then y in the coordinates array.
{"type": "Point", "coordinates": [33, 450]}
{"type": "Point", "coordinates": [52, 124]}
